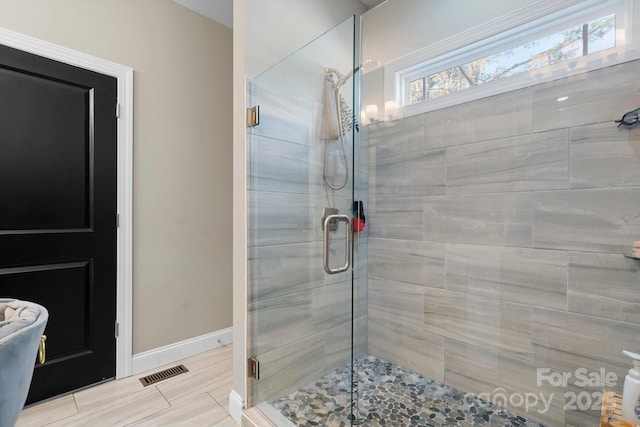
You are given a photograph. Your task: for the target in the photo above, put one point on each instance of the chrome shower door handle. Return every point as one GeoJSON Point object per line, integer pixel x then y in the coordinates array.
{"type": "Point", "coordinates": [347, 243]}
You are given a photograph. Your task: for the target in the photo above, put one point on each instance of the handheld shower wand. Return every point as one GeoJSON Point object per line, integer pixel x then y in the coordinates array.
{"type": "Point", "coordinates": [337, 120]}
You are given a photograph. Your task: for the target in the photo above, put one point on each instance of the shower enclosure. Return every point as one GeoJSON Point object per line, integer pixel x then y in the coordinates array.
{"type": "Point", "coordinates": [489, 285]}
{"type": "Point", "coordinates": [305, 270]}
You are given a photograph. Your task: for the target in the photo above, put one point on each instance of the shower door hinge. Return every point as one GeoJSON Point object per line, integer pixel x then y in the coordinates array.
{"type": "Point", "coordinates": [253, 368]}
{"type": "Point", "coordinates": [117, 111]}
{"type": "Point", "coordinates": [117, 330]}
{"type": "Point", "coordinates": [253, 116]}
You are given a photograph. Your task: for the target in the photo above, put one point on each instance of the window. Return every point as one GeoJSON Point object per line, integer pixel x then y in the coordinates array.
{"type": "Point", "coordinates": [534, 45]}
{"type": "Point", "coordinates": [574, 42]}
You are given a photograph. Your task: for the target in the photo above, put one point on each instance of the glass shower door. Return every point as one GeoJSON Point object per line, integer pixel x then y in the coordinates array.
{"type": "Point", "coordinates": [303, 316]}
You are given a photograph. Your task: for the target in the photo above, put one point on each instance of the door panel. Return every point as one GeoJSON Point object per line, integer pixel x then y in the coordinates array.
{"type": "Point", "coordinates": [46, 282]}
{"type": "Point", "coordinates": [58, 152]}
{"type": "Point", "coordinates": [57, 196]}
{"type": "Point", "coordinates": [300, 318]}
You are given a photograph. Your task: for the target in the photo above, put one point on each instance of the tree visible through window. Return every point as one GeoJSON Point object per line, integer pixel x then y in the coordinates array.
{"type": "Point", "coordinates": [581, 40]}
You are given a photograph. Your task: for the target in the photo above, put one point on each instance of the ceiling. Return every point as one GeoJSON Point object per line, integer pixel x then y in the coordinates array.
{"type": "Point", "coordinates": [371, 3]}
{"type": "Point", "coordinates": [218, 10]}
{"type": "Point", "coordinates": [221, 11]}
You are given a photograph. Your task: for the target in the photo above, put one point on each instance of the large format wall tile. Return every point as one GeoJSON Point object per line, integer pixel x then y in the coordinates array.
{"type": "Point", "coordinates": [568, 341]}
{"type": "Point", "coordinates": [339, 165]}
{"type": "Point", "coordinates": [280, 218]}
{"type": "Point", "coordinates": [531, 397]}
{"type": "Point", "coordinates": [485, 322]}
{"type": "Point", "coordinates": [395, 327]}
{"type": "Point", "coordinates": [361, 339]}
{"type": "Point", "coordinates": [392, 140]}
{"type": "Point", "coordinates": [521, 163]}
{"type": "Point", "coordinates": [396, 218]}
{"type": "Point", "coordinates": [287, 118]}
{"type": "Point", "coordinates": [285, 325]}
{"type": "Point", "coordinates": [337, 345]}
{"type": "Point", "coordinates": [490, 118]}
{"type": "Point", "coordinates": [604, 156]}
{"type": "Point", "coordinates": [528, 179]}
{"type": "Point", "coordinates": [408, 347]}
{"type": "Point", "coordinates": [509, 382]}
{"type": "Point", "coordinates": [598, 96]}
{"type": "Point", "coordinates": [289, 367]}
{"type": "Point", "coordinates": [278, 321]}
{"type": "Point", "coordinates": [584, 397]}
{"type": "Point", "coordinates": [583, 418]}
{"type": "Point", "coordinates": [283, 269]}
{"type": "Point", "coordinates": [416, 174]}
{"type": "Point", "coordinates": [283, 167]}
{"type": "Point", "coordinates": [414, 130]}
{"type": "Point", "coordinates": [528, 276]}
{"type": "Point", "coordinates": [441, 129]}
{"type": "Point", "coordinates": [587, 220]}
{"type": "Point", "coordinates": [491, 219]}
{"type": "Point", "coordinates": [276, 218]}
{"type": "Point", "coordinates": [280, 166]}
{"type": "Point", "coordinates": [470, 368]}
{"type": "Point", "coordinates": [474, 179]}
{"type": "Point", "coordinates": [331, 306]}
{"type": "Point", "coordinates": [360, 259]}
{"type": "Point", "coordinates": [604, 285]}
{"type": "Point", "coordinates": [421, 263]}
{"type": "Point", "coordinates": [395, 303]}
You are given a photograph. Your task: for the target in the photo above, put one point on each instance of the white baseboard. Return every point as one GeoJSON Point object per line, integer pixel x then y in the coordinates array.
{"type": "Point", "coordinates": [171, 353]}
{"type": "Point", "coordinates": [236, 405]}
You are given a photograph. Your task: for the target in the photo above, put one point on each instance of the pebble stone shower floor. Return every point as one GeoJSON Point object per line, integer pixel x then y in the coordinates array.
{"type": "Point", "coordinates": [391, 396]}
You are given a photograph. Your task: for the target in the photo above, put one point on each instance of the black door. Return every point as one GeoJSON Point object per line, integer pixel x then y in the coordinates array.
{"type": "Point", "coordinates": [58, 177]}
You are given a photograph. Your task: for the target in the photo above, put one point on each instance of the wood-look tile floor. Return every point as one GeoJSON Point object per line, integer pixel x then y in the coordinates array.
{"type": "Point", "coordinates": [196, 398]}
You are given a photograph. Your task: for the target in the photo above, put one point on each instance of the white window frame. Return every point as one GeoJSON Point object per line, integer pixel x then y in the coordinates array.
{"type": "Point", "coordinates": [510, 31]}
